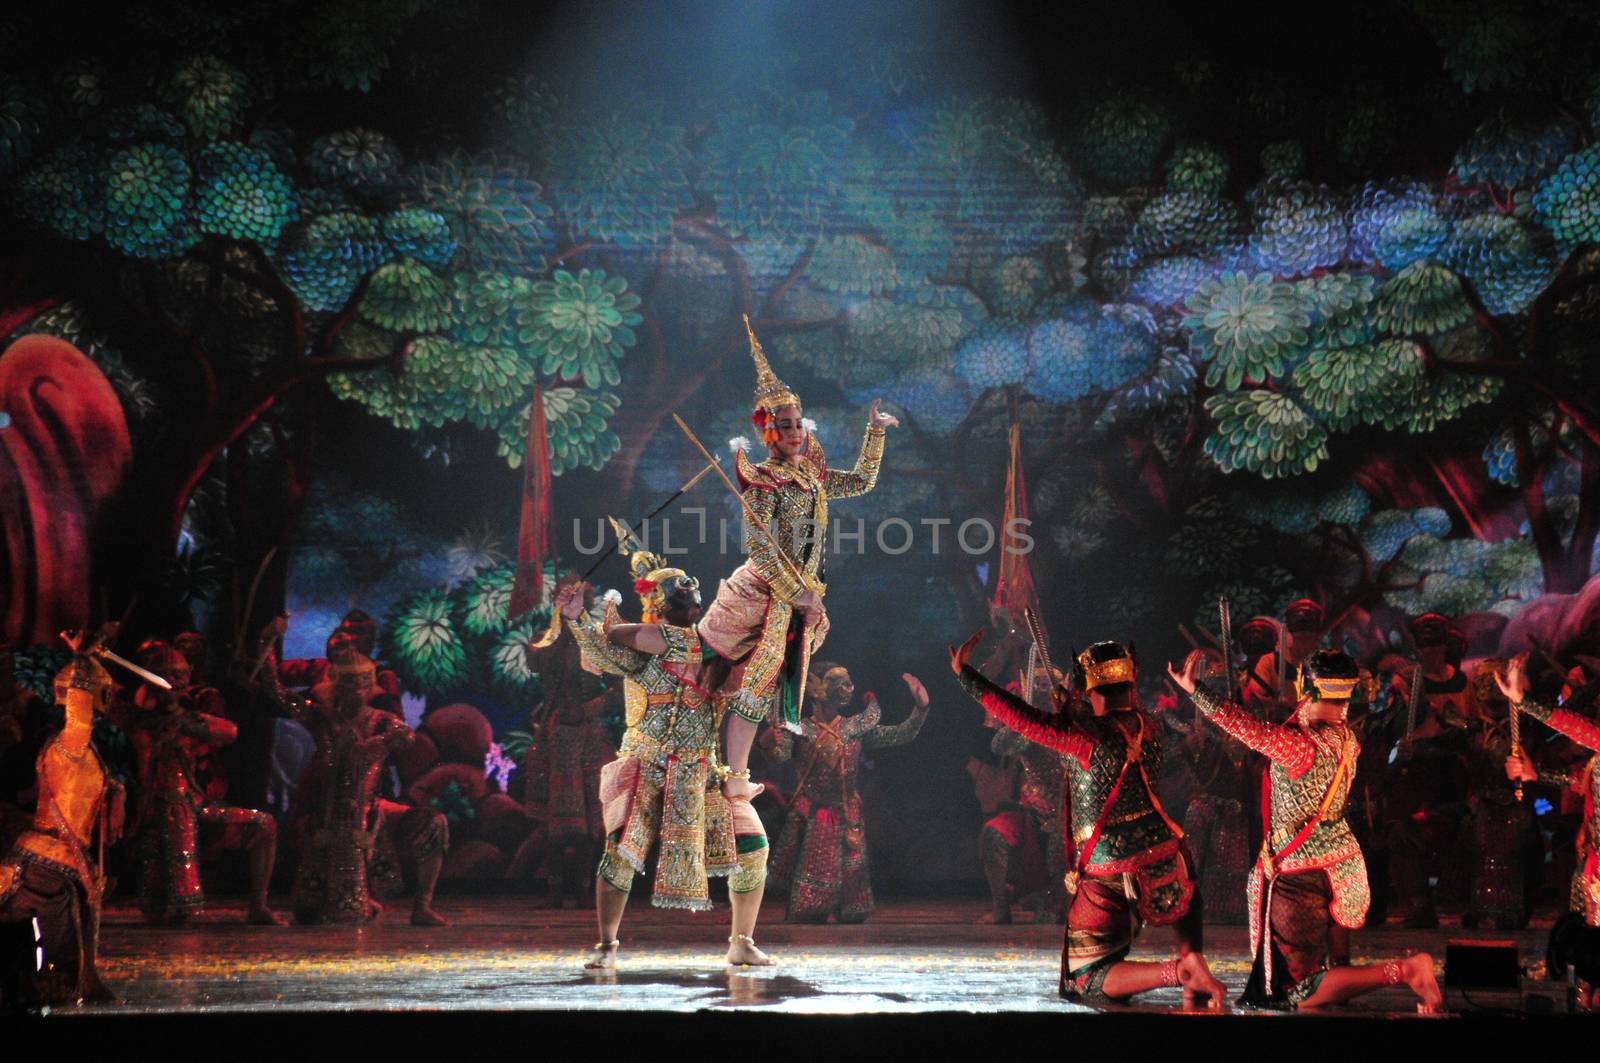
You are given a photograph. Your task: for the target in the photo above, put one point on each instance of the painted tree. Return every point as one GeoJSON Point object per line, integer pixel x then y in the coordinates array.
{"type": "Point", "coordinates": [1246, 325]}
{"type": "Point", "coordinates": [221, 251]}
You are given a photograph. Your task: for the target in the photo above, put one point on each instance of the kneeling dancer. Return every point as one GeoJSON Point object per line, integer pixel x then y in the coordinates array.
{"type": "Point", "coordinates": [665, 786]}
{"type": "Point", "coordinates": [1309, 886]}
{"type": "Point", "coordinates": [1585, 780]}
{"type": "Point", "coordinates": [1127, 864]}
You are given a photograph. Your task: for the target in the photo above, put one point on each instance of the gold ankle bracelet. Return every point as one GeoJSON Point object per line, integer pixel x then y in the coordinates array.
{"type": "Point", "coordinates": [601, 946]}
{"type": "Point", "coordinates": [746, 938]}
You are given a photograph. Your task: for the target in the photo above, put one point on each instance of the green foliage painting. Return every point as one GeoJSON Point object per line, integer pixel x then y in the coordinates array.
{"type": "Point", "coordinates": [1218, 299]}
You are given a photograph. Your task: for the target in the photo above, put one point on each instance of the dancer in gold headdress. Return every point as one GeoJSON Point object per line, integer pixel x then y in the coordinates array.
{"type": "Point", "coordinates": [753, 620]}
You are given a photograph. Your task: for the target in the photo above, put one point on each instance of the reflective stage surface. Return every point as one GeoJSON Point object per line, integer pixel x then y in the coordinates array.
{"type": "Point", "coordinates": [504, 954]}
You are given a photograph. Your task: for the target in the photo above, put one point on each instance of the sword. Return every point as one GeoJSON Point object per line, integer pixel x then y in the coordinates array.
{"type": "Point", "coordinates": [1225, 619]}
{"type": "Point", "coordinates": [1412, 704]}
{"type": "Point", "coordinates": [1036, 629]}
{"type": "Point", "coordinates": [1284, 696]}
{"type": "Point", "coordinates": [147, 676]}
{"type": "Point", "coordinates": [794, 572]}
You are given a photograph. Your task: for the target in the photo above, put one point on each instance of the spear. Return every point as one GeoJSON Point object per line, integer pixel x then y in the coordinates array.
{"type": "Point", "coordinates": [1036, 629]}
{"type": "Point", "coordinates": [1283, 663]}
{"type": "Point", "coordinates": [679, 493]}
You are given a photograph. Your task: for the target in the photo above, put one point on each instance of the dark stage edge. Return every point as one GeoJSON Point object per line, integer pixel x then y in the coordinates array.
{"type": "Point", "coordinates": [508, 970]}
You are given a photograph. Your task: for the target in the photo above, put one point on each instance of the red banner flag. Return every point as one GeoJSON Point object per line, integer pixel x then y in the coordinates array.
{"type": "Point", "coordinates": [1013, 586]}
{"type": "Point", "coordinates": [533, 529]}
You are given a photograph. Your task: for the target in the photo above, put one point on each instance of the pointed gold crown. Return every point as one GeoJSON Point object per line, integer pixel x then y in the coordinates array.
{"type": "Point", "coordinates": [772, 394]}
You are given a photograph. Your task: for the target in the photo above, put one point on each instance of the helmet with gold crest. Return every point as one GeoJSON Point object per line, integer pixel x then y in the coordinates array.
{"type": "Point", "coordinates": [661, 587]}
{"type": "Point", "coordinates": [1106, 664]}
{"type": "Point", "coordinates": [1330, 675]}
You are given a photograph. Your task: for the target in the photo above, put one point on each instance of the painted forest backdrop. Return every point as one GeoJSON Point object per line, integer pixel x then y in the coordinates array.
{"type": "Point", "coordinates": [1278, 313]}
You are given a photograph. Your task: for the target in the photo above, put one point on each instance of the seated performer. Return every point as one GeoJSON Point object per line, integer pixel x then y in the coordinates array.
{"type": "Point", "coordinates": [1425, 793]}
{"type": "Point", "coordinates": [1020, 847]}
{"type": "Point", "coordinates": [663, 787]}
{"type": "Point", "coordinates": [1214, 823]}
{"type": "Point", "coordinates": [1585, 896]}
{"type": "Point", "coordinates": [1128, 863]}
{"type": "Point", "coordinates": [570, 745]}
{"type": "Point", "coordinates": [168, 729]}
{"type": "Point", "coordinates": [51, 874]}
{"type": "Point", "coordinates": [821, 857]}
{"type": "Point", "coordinates": [1500, 838]}
{"type": "Point", "coordinates": [344, 825]}
{"type": "Point", "coordinates": [1309, 887]}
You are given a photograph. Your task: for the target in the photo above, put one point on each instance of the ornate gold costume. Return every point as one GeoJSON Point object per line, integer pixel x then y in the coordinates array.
{"type": "Point", "coordinates": [664, 784]}
{"type": "Point", "coordinates": [753, 608]}
{"type": "Point", "coordinates": [51, 872]}
{"type": "Point", "coordinates": [786, 524]}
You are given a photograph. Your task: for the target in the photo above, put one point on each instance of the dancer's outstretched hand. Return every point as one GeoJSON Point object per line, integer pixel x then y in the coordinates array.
{"type": "Point", "coordinates": [1514, 685]}
{"type": "Point", "coordinates": [959, 655]}
{"type": "Point", "coordinates": [1185, 679]}
{"type": "Point", "coordinates": [876, 418]}
{"type": "Point", "coordinates": [571, 600]}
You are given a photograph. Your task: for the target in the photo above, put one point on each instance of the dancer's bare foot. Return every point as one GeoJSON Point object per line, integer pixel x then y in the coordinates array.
{"type": "Point", "coordinates": [424, 915]}
{"type": "Point", "coordinates": [1200, 986]}
{"type": "Point", "coordinates": [261, 915]}
{"type": "Point", "coordinates": [1418, 973]}
{"type": "Point", "coordinates": [602, 957]}
{"type": "Point", "coordinates": [737, 789]}
{"type": "Point", "coordinates": [742, 952]}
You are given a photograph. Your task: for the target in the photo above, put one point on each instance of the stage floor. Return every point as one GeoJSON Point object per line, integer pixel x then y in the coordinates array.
{"type": "Point", "coordinates": [504, 954]}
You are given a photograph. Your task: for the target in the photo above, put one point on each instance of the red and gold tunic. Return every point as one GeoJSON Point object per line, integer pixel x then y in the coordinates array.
{"type": "Point", "coordinates": [1585, 781]}
{"type": "Point", "coordinates": [1110, 762]}
{"type": "Point", "coordinates": [1311, 774]}
{"type": "Point", "coordinates": [662, 791]}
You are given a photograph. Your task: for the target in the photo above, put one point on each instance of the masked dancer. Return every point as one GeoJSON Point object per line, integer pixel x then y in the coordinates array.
{"type": "Point", "coordinates": [661, 792]}
{"type": "Point", "coordinates": [55, 872]}
{"type": "Point", "coordinates": [1126, 864]}
{"type": "Point", "coordinates": [821, 856]}
{"type": "Point", "coordinates": [1309, 885]}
